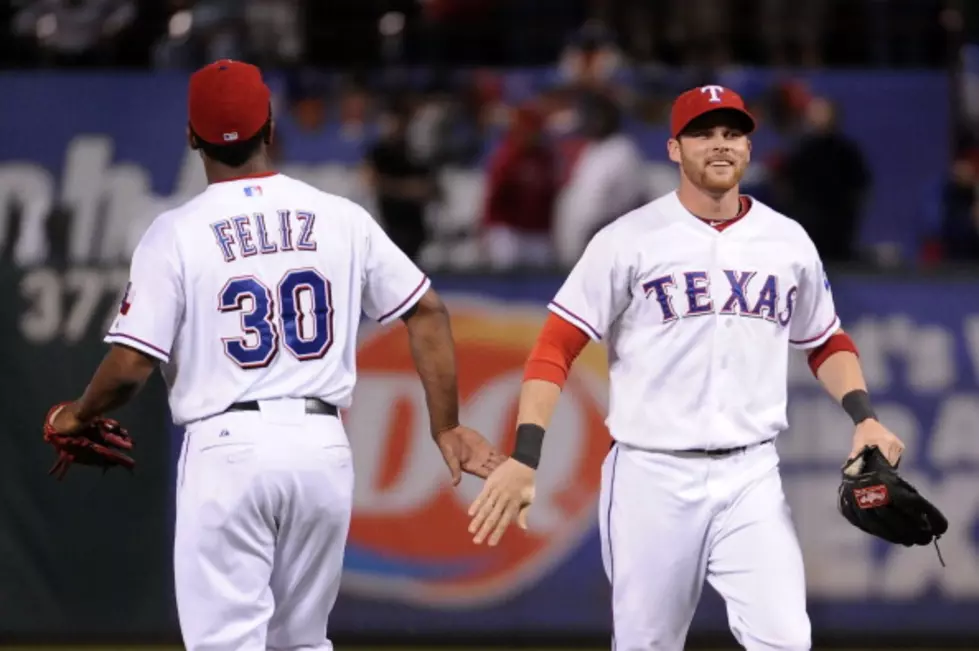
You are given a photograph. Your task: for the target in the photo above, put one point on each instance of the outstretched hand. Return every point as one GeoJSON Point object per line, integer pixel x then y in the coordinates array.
{"type": "Point", "coordinates": [506, 496]}
{"type": "Point", "coordinates": [467, 451]}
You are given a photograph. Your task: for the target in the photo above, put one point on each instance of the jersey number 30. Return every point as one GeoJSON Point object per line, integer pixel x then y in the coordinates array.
{"type": "Point", "coordinates": [307, 334]}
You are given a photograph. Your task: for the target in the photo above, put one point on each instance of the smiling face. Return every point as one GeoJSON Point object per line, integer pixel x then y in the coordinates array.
{"type": "Point", "coordinates": [713, 152]}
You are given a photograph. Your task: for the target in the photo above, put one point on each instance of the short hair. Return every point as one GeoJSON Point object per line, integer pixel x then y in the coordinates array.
{"type": "Point", "coordinates": [235, 154]}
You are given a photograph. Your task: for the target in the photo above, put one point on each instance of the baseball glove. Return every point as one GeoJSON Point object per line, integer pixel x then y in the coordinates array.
{"type": "Point", "coordinates": [875, 499]}
{"type": "Point", "coordinates": [103, 443]}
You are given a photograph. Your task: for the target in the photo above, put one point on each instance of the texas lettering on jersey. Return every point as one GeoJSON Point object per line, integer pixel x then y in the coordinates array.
{"type": "Point", "coordinates": [683, 382]}
{"type": "Point", "coordinates": [741, 296]}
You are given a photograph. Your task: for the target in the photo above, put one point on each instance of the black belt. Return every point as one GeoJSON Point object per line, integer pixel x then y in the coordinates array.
{"type": "Point", "coordinates": [723, 452]}
{"type": "Point", "coordinates": [313, 406]}
{"type": "Point", "coordinates": [716, 452]}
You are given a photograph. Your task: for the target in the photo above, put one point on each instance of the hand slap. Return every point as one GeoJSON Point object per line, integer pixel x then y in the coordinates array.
{"type": "Point", "coordinates": [508, 492]}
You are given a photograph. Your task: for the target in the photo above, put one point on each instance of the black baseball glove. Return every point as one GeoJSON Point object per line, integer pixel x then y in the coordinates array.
{"type": "Point", "coordinates": [103, 443]}
{"type": "Point", "coordinates": [875, 499]}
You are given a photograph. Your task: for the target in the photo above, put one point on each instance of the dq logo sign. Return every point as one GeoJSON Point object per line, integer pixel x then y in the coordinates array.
{"type": "Point", "coordinates": [408, 537]}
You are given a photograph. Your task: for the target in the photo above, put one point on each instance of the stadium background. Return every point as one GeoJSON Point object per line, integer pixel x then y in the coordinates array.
{"type": "Point", "coordinates": [92, 147]}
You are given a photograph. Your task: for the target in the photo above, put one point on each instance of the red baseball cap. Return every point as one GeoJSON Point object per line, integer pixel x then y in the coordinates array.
{"type": "Point", "coordinates": [227, 102]}
{"type": "Point", "coordinates": [699, 101]}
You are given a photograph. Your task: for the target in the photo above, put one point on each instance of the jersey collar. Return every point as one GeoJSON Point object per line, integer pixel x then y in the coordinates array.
{"type": "Point", "coordinates": [716, 227]}
{"type": "Point", "coordinates": [245, 177]}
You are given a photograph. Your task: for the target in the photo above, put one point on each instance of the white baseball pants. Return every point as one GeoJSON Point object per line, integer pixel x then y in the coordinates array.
{"type": "Point", "coordinates": [263, 509]}
{"type": "Point", "coordinates": [670, 520]}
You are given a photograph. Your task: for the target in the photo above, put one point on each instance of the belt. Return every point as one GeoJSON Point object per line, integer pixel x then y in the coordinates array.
{"type": "Point", "coordinates": [723, 452]}
{"type": "Point", "coordinates": [313, 406]}
{"type": "Point", "coordinates": [715, 452]}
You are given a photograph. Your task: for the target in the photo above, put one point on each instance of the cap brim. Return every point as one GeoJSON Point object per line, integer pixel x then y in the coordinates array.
{"type": "Point", "coordinates": [735, 117]}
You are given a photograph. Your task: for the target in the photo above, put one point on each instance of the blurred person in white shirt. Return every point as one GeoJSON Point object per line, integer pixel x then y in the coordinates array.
{"type": "Point", "coordinates": [609, 179]}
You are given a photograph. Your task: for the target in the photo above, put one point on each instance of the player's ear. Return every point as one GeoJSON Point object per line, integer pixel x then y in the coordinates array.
{"type": "Point", "coordinates": [192, 140]}
{"type": "Point", "coordinates": [673, 149]}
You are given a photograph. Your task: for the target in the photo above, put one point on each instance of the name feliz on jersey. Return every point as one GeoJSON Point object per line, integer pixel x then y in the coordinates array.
{"type": "Point", "coordinates": [763, 304]}
{"type": "Point", "coordinates": [251, 236]}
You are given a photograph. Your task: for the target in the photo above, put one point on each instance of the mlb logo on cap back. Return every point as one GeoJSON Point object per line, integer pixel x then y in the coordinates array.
{"type": "Point", "coordinates": [699, 101]}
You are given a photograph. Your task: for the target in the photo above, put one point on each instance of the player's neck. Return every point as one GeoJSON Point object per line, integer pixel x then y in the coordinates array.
{"type": "Point", "coordinates": [218, 173]}
{"type": "Point", "coordinates": [708, 205]}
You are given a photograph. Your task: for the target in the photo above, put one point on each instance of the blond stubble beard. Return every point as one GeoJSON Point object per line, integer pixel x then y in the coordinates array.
{"type": "Point", "coordinates": [700, 177]}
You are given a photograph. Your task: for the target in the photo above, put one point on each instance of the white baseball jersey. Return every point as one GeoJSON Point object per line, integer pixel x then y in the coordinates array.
{"type": "Point", "coordinates": [254, 290]}
{"type": "Point", "coordinates": [698, 322]}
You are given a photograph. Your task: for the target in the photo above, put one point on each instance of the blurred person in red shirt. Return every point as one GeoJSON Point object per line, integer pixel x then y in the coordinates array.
{"type": "Point", "coordinates": [521, 190]}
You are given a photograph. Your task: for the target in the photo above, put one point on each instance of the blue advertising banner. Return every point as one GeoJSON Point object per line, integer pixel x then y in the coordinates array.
{"type": "Point", "coordinates": [119, 156]}
{"type": "Point", "coordinates": [411, 567]}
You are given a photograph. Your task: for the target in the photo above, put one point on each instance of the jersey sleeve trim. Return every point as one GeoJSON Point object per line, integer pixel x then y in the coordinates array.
{"type": "Point", "coordinates": [407, 304]}
{"type": "Point", "coordinates": [574, 320]}
{"type": "Point", "coordinates": [138, 344]}
{"type": "Point", "coordinates": [819, 339]}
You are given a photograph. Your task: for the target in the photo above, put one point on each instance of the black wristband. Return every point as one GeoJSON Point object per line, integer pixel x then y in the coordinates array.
{"type": "Point", "coordinates": [857, 404]}
{"type": "Point", "coordinates": [530, 439]}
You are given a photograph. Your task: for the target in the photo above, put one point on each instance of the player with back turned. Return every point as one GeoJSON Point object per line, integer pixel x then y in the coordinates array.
{"type": "Point", "coordinates": [698, 296]}
{"type": "Point", "coordinates": [249, 298]}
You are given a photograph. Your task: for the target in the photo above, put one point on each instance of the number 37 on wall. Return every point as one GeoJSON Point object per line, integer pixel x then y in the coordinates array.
{"type": "Point", "coordinates": [297, 315]}
{"type": "Point", "coordinates": [69, 306]}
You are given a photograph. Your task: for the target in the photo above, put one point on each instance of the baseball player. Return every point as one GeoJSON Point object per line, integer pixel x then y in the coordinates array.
{"type": "Point", "coordinates": [249, 297]}
{"type": "Point", "coordinates": [698, 295]}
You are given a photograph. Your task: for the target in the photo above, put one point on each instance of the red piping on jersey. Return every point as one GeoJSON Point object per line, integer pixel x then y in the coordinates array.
{"type": "Point", "coordinates": [405, 302]}
{"type": "Point", "coordinates": [802, 342]}
{"type": "Point", "coordinates": [137, 340]}
{"type": "Point", "coordinates": [254, 175]}
{"type": "Point", "coordinates": [558, 345]}
{"type": "Point", "coordinates": [571, 314]}
{"type": "Point", "coordinates": [744, 205]}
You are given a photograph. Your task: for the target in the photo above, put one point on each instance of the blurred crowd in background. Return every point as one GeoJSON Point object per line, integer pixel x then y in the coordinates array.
{"type": "Point", "coordinates": [559, 164]}
{"type": "Point", "coordinates": [181, 33]}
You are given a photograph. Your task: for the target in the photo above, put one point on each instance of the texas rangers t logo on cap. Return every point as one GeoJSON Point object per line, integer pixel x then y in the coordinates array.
{"type": "Point", "coordinates": [715, 92]}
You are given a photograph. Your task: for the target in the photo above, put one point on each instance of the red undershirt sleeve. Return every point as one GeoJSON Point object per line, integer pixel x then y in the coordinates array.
{"type": "Point", "coordinates": [558, 345]}
{"type": "Point", "coordinates": [838, 342]}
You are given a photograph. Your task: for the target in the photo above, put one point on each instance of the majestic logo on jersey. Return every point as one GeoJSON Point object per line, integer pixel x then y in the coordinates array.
{"type": "Point", "coordinates": [408, 537]}
{"type": "Point", "coordinates": [691, 293]}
